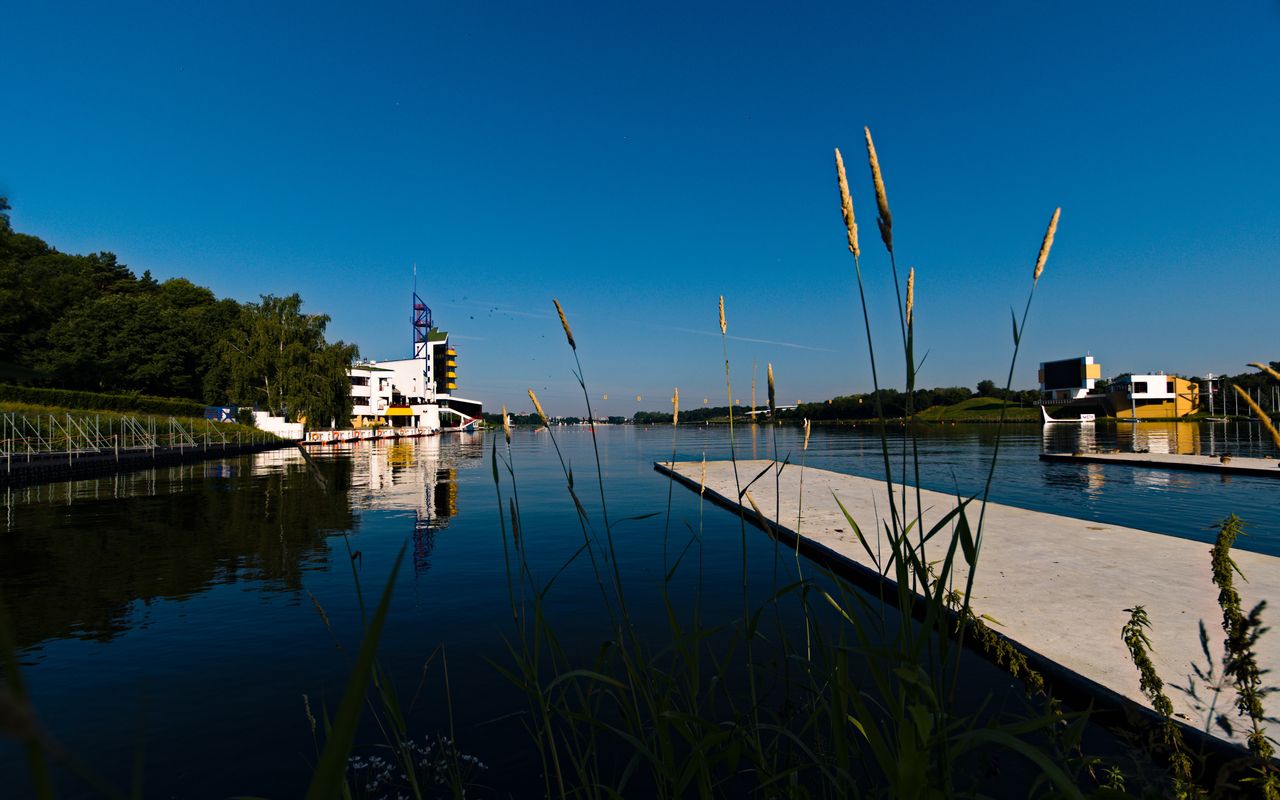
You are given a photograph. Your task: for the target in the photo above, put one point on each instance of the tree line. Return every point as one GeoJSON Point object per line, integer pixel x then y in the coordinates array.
{"type": "Point", "coordinates": [857, 406]}
{"type": "Point", "coordinates": [87, 322]}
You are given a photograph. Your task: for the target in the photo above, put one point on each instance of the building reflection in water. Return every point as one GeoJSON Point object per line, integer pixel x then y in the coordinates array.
{"type": "Point", "coordinates": [1159, 437]}
{"type": "Point", "coordinates": [413, 475]}
{"type": "Point", "coordinates": [1095, 479]}
{"type": "Point", "coordinates": [86, 559]}
{"type": "Point", "coordinates": [1069, 438]}
{"type": "Point", "coordinates": [1180, 437]}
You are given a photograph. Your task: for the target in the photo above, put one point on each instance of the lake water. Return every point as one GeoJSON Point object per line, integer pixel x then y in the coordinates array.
{"type": "Point", "coordinates": [172, 614]}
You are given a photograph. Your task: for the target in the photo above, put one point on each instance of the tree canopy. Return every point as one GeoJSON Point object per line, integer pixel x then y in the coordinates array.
{"type": "Point", "coordinates": [277, 357]}
{"type": "Point", "coordinates": [87, 322]}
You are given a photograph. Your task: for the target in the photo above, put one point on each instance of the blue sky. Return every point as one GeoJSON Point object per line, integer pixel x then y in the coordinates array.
{"type": "Point", "coordinates": [639, 160]}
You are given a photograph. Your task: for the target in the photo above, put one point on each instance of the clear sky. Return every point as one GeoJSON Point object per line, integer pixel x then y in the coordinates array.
{"type": "Point", "coordinates": [639, 160]}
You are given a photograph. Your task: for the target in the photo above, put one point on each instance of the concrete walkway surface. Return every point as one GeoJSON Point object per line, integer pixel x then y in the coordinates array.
{"type": "Point", "coordinates": [1058, 585]}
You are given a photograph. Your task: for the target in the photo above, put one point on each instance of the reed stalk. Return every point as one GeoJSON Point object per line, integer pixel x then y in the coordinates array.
{"type": "Point", "coordinates": [1265, 369]}
{"type": "Point", "coordinates": [1262, 415]}
{"type": "Point", "coordinates": [884, 221]}
{"type": "Point", "coordinates": [851, 229]}
{"type": "Point", "coordinates": [748, 643]}
{"type": "Point", "coordinates": [595, 446]}
{"type": "Point", "coordinates": [1042, 258]}
{"type": "Point", "coordinates": [588, 538]}
{"type": "Point", "coordinates": [666, 528]}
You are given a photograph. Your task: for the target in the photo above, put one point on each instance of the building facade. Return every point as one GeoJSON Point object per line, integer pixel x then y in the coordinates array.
{"type": "Point", "coordinates": [413, 392]}
{"type": "Point", "coordinates": [1068, 379]}
{"type": "Point", "coordinates": [1074, 383]}
{"type": "Point", "coordinates": [1153, 396]}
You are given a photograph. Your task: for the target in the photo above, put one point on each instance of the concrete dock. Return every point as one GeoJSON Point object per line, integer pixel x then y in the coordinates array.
{"type": "Point", "coordinates": [1058, 585]}
{"type": "Point", "coordinates": [1234, 465]}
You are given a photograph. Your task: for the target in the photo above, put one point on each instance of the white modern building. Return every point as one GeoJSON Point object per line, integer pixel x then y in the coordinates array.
{"type": "Point", "coordinates": [1073, 382]}
{"type": "Point", "coordinates": [1154, 394]}
{"type": "Point", "coordinates": [413, 392]}
{"type": "Point", "coordinates": [1068, 379]}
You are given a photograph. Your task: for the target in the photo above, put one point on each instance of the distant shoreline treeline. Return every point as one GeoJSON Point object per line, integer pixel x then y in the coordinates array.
{"type": "Point", "coordinates": [859, 407]}
{"type": "Point", "coordinates": [88, 323]}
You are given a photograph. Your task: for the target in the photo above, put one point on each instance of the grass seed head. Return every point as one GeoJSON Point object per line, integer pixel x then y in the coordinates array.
{"type": "Point", "coordinates": [846, 205]}
{"type": "Point", "coordinates": [885, 220]}
{"type": "Point", "coordinates": [506, 424]}
{"type": "Point", "coordinates": [807, 427]}
{"type": "Point", "coordinates": [675, 408]}
{"type": "Point", "coordinates": [1265, 369]}
{"type": "Point", "coordinates": [568, 334]}
{"type": "Point", "coordinates": [911, 294]}
{"type": "Point", "coordinates": [764, 521]}
{"type": "Point", "coordinates": [306, 704]}
{"type": "Point", "coordinates": [723, 327]}
{"type": "Point", "coordinates": [538, 407]}
{"type": "Point", "coordinates": [702, 483]}
{"type": "Point", "coordinates": [772, 404]}
{"type": "Point", "coordinates": [1047, 244]}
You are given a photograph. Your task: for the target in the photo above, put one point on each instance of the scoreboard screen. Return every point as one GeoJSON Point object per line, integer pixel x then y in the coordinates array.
{"type": "Point", "coordinates": [1065, 374]}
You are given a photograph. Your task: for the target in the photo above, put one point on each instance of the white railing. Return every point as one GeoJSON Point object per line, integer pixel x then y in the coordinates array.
{"type": "Point", "coordinates": [26, 437]}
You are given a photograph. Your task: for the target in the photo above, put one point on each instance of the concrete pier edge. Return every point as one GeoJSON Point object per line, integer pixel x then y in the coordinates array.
{"type": "Point", "coordinates": [1108, 707]}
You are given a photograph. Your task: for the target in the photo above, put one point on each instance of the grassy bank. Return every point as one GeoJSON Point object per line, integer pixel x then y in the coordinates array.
{"type": "Point", "coordinates": [196, 426]}
{"type": "Point", "coordinates": [125, 402]}
{"type": "Point", "coordinates": [979, 409]}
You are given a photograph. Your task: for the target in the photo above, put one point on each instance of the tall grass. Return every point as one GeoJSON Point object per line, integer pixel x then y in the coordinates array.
{"type": "Point", "coordinates": [1240, 672]}
{"type": "Point", "coordinates": [849, 696]}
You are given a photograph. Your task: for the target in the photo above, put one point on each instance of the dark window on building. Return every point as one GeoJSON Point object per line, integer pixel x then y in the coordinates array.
{"type": "Point", "coordinates": [1066, 374]}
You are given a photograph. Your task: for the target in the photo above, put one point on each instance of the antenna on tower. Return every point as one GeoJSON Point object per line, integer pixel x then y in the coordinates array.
{"type": "Point", "coordinates": [422, 322]}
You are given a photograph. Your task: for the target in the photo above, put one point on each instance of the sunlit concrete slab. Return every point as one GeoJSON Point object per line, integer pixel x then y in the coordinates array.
{"type": "Point", "coordinates": [1058, 585]}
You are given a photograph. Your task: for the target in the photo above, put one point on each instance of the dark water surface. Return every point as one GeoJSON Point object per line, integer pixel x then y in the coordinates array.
{"type": "Point", "coordinates": [172, 614]}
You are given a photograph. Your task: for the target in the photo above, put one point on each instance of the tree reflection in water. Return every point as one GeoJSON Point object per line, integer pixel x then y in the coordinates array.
{"type": "Point", "coordinates": [79, 557]}
{"type": "Point", "coordinates": [86, 559]}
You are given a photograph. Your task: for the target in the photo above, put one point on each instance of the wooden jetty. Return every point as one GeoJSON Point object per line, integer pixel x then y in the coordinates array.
{"type": "Point", "coordinates": [1227, 465]}
{"type": "Point", "coordinates": [1058, 585]}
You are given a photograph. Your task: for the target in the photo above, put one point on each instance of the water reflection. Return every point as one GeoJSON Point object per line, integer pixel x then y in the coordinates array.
{"type": "Point", "coordinates": [418, 476]}
{"type": "Point", "coordinates": [1087, 478]}
{"type": "Point", "coordinates": [85, 559]}
{"type": "Point", "coordinates": [1175, 437]}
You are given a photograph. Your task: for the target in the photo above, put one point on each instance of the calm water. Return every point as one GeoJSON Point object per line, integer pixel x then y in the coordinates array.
{"type": "Point", "coordinates": [173, 610]}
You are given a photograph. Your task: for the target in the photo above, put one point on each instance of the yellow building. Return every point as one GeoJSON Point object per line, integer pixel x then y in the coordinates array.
{"type": "Point", "coordinates": [1157, 396]}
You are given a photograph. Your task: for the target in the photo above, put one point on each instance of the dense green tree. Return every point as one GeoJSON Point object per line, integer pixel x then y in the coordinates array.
{"type": "Point", "coordinates": [159, 339]}
{"type": "Point", "coordinates": [87, 322]}
{"type": "Point", "coordinates": [276, 357]}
